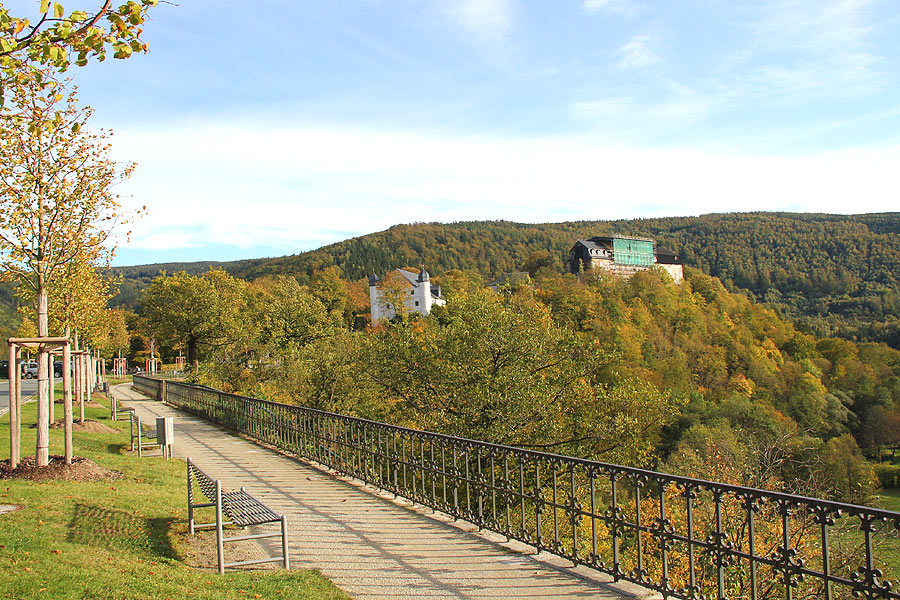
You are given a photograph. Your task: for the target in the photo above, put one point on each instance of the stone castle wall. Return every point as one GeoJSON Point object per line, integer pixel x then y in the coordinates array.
{"type": "Point", "coordinates": [676, 272]}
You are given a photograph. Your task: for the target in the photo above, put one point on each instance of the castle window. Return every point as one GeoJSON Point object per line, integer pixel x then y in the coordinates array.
{"type": "Point", "coordinates": [417, 302]}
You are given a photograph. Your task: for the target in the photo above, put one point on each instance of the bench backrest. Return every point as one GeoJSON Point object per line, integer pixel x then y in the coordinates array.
{"type": "Point", "coordinates": [206, 483]}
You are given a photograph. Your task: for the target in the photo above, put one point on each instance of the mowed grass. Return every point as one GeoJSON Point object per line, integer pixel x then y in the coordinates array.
{"type": "Point", "coordinates": [116, 539]}
{"type": "Point", "coordinates": [890, 500]}
{"type": "Point", "coordinates": [890, 551]}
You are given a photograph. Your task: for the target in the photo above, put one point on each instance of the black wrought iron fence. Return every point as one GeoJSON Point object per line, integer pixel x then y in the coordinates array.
{"type": "Point", "coordinates": [684, 537]}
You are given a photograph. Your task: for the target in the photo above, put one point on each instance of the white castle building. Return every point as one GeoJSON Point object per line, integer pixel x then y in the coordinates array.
{"type": "Point", "coordinates": [418, 294]}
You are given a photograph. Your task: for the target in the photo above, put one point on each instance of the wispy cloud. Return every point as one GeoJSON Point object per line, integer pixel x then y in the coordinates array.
{"type": "Point", "coordinates": [629, 117]}
{"type": "Point", "coordinates": [789, 54]}
{"type": "Point", "coordinates": [638, 53]}
{"type": "Point", "coordinates": [489, 21]}
{"type": "Point", "coordinates": [624, 8]}
{"type": "Point", "coordinates": [288, 186]}
{"type": "Point", "coordinates": [821, 25]}
{"type": "Point", "coordinates": [817, 48]}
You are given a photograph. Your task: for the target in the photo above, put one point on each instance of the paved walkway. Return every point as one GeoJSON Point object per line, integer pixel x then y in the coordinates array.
{"type": "Point", "coordinates": [367, 544]}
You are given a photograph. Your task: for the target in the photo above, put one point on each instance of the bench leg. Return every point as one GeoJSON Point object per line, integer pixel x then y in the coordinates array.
{"type": "Point", "coordinates": [220, 549]}
{"type": "Point", "coordinates": [284, 542]}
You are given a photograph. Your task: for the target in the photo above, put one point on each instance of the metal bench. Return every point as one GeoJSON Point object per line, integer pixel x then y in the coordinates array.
{"type": "Point", "coordinates": [241, 508]}
{"type": "Point", "coordinates": [138, 435]}
{"type": "Point", "coordinates": [115, 408]}
{"type": "Point", "coordinates": [163, 435]}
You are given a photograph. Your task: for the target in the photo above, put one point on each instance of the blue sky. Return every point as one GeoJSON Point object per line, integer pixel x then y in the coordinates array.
{"type": "Point", "coordinates": [267, 128]}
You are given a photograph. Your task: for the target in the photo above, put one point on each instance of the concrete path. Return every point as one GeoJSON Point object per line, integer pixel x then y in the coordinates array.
{"type": "Point", "coordinates": [367, 544]}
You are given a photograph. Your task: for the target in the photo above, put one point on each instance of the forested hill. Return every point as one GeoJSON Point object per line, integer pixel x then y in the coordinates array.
{"type": "Point", "coordinates": [837, 274]}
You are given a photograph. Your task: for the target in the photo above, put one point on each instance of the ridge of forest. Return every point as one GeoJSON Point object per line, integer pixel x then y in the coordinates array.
{"type": "Point", "coordinates": [835, 275]}
{"type": "Point", "coordinates": [688, 378]}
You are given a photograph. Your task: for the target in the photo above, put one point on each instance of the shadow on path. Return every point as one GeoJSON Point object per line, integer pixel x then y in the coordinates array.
{"type": "Point", "coordinates": [368, 545]}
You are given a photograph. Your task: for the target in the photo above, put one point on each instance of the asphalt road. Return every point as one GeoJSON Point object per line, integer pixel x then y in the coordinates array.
{"type": "Point", "coordinates": [29, 387]}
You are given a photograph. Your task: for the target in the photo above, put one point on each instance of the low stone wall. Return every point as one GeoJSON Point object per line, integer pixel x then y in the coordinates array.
{"type": "Point", "coordinates": [676, 272]}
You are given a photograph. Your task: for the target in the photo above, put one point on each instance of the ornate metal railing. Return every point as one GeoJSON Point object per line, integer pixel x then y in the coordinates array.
{"type": "Point", "coordinates": [684, 537]}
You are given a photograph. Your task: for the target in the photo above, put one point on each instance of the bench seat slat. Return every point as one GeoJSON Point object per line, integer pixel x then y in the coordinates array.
{"type": "Point", "coordinates": [244, 509]}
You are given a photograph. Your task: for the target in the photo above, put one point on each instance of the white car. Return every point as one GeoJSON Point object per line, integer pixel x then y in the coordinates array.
{"type": "Point", "coordinates": [30, 370]}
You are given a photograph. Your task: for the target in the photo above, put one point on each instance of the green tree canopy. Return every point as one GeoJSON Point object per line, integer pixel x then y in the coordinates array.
{"type": "Point", "coordinates": [199, 313]}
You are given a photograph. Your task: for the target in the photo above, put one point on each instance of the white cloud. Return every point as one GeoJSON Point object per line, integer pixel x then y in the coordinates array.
{"type": "Point", "coordinates": [637, 53]}
{"type": "Point", "coordinates": [624, 8]}
{"type": "Point", "coordinates": [817, 48]}
{"type": "Point", "coordinates": [609, 108]}
{"type": "Point", "coordinates": [305, 187]}
{"type": "Point", "coordinates": [488, 20]}
{"type": "Point", "coordinates": [799, 52]}
{"type": "Point", "coordinates": [819, 25]}
{"type": "Point", "coordinates": [677, 106]}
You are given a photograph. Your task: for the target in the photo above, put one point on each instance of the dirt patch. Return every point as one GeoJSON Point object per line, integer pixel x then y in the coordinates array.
{"type": "Point", "coordinates": [199, 550]}
{"type": "Point", "coordinates": [89, 425]}
{"type": "Point", "coordinates": [81, 469]}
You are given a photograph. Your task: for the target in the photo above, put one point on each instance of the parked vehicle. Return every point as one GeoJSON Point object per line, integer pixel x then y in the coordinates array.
{"type": "Point", "coordinates": [30, 369]}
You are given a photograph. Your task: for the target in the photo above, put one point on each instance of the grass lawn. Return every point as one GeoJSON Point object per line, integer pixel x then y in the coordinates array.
{"type": "Point", "coordinates": [890, 500]}
{"type": "Point", "coordinates": [890, 552]}
{"type": "Point", "coordinates": [116, 539]}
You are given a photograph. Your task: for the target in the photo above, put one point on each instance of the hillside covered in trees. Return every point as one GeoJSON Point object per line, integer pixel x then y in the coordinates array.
{"type": "Point", "coordinates": [835, 274]}
{"type": "Point", "coordinates": [688, 378]}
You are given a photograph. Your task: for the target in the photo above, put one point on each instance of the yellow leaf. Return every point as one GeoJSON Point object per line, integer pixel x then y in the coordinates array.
{"type": "Point", "coordinates": [58, 10]}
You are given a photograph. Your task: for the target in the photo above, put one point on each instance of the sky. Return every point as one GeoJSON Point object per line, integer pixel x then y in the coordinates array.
{"type": "Point", "coordinates": [270, 127]}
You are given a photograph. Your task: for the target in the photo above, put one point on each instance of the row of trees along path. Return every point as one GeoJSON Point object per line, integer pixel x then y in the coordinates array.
{"type": "Point", "coordinates": [57, 210]}
{"type": "Point", "coordinates": [88, 370]}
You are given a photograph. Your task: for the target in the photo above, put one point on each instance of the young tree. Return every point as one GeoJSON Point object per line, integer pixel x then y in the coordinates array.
{"type": "Point", "coordinates": [56, 36]}
{"type": "Point", "coordinates": [117, 333]}
{"type": "Point", "coordinates": [77, 299]}
{"type": "Point", "coordinates": [56, 203]}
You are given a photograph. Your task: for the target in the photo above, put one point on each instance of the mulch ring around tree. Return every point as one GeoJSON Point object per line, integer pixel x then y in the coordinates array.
{"type": "Point", "coordinates": [89, 425]}
{"type": "Point", "coordinates": [81, 469]}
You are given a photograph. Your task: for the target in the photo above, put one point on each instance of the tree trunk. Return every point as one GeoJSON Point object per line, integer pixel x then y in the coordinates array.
{"type": "Point", "coordinates": [15, 419]}
{"type": "Point", "coordinates": [67, 399]}
{"type": "Point", "coordinates": [192, 354]}
{"type": "Point", "coordinates": [88, 374]}
{"type": "Point", "coordinates": [79, 386]}
{"type": "Point", "coordinates": [42, 442]}
{"type": "Point", "coordinates": [51, 385]}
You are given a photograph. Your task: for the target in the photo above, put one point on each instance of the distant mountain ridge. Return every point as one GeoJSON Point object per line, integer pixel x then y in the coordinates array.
{"type": "Point", "coordinates": [837, 274]}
